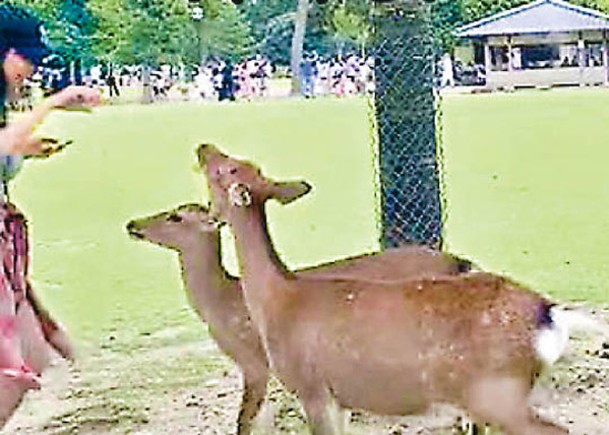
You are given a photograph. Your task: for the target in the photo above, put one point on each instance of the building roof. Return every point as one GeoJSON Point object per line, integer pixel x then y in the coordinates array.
{"type": "Point", "coordinates": [541, 16]}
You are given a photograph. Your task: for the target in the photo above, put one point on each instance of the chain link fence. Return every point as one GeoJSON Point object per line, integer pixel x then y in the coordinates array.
{"type": "Point", "coordinates": [406, 125]}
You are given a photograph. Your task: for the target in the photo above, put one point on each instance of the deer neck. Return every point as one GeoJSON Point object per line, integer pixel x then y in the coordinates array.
{"type": "Point", "coordinates": [204, 276]}
{"type": "Point", "coordinates": [261, 268]}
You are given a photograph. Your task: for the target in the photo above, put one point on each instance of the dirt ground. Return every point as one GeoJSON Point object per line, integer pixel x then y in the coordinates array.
{"type": "Point", "coordinates": [168, 384]}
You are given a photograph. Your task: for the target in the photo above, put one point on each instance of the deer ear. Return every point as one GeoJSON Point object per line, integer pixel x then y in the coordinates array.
{"type": "Point", "coordinates": [287, 192]}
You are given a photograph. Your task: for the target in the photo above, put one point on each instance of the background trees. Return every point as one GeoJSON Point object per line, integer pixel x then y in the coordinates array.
{"type": "Point", "coordinates": [149, 32]}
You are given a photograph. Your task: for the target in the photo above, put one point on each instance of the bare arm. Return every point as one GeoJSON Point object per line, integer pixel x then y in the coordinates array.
{"type": "Point", "coordinates": [18, 137]}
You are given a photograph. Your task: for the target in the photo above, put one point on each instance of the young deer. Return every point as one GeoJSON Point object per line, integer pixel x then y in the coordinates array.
{"type": "Point", "coordinates": [217, 297]}
{"type": "Point", "coordinates": [390, 348]}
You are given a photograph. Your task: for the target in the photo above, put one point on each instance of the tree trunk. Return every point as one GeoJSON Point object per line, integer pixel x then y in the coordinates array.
{"type": "Point", "coordinates": [147, 89]}
{"type": "Point", "coordinates": [411, 203]}
{"type": "Point", "coordinates": [78, 72]}
{"type": "Point", "coordinates": [300, 27]}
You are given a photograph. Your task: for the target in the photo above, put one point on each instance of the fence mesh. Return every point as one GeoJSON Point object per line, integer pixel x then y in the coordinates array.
{"type": "Point", "coordinates": [406, 125]}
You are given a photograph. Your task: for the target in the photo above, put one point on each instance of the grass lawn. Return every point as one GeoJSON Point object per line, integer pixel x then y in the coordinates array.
{"type": "Point", "coordinates": [527, 188]}
{"type": "Point", "coordinates": [128, 161]}
{"type": "Point", "coordinates": [525, 183]}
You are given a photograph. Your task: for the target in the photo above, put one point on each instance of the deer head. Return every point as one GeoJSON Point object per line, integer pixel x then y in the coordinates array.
{"type": "Point", "coordinates": [174, 229]}
{"type": "Point", "coordinates": [236, 184]}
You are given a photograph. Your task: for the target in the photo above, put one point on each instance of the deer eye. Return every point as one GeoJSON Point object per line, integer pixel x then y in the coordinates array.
{"type": "Point", "coordinates": [174, 218]}
{"type": "Point", "coordinates": [232, 170]}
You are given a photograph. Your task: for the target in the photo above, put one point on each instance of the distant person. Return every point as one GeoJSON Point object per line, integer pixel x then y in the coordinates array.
{"type": "Point", "coordinates": [112, 85]}
{"type": "Point", "coordinates": [309, 71]}
{"type": "Point", "coordinates": [448, 74]}
{"type": "Point", "coordinates": [227, 91]}
{"type": "Point", "coordinates": [517, 58]}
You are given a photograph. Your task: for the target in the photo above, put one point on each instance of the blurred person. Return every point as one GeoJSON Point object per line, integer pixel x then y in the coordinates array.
{"type": "Point", "coordinates": [227, 91]}
{"type": "Point", "coordinates": [308, 72]}
{"type": "Point", "coordinates": [448, 73]}
{"type": "Point", "coordinates": [113, 89]}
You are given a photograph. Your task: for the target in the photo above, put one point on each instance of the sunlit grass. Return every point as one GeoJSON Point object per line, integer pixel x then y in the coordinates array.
{"type": "Point", "coordinates": [526, 186]}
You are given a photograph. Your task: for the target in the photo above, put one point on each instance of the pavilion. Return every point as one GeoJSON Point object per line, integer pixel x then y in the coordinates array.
{"type": "Point", "coordinates": [540, 44]}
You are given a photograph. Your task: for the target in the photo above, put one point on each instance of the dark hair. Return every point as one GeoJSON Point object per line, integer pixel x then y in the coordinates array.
{"type": "Point", "coordinates": [21, 30]}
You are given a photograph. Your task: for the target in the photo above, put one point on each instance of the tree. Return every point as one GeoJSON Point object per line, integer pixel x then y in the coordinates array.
{"type": "Point", "coordinates": [600, 5]}
{"type": "Point", "coordinates": [161, 32]}
{"type": "Point", "coordinates": [261, 14]}
{"type": "Point", "coordinates": [74, 30]}
{"type": "Point", "coordinates": [273, 27]}
{"type": "Point", "coordinates": [69, 27]}
{"type": "Point", "coordinates": [224, 31]}
{"type": "Point", "coordinates": [349, 27]}
{"type": "Point", "coordinates": [277, 40]}
{"type": "Point", "coordinates": [44, 9]}
{"type": "Point", "coordinates": [447, 15]}
{"type": "Point", "coordinates": [476, 9]}
{"type": "Point", "coordinates": [300, 27]}
{"type": "Point", "coordinates": [111, 35]}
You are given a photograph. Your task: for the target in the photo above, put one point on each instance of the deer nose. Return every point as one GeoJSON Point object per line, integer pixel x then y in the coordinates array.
{"type": "Point", "coordinates": [204, 151]}
{"type": "Point", "coordinates": [133, 229]}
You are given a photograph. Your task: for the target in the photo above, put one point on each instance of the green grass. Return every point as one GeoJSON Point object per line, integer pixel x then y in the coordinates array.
{"type": "Point", "coordinates": [525, 174]}
{"type": "Point", "coordinates": [528, 187]}
{"type": "Point", "coordinates": [527, 196]}
{"type": "Point", "coordinates": [128, 161]}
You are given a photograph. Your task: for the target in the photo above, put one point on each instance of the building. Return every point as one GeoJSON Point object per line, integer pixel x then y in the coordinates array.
{"type": "Point", "coordinates": [544, 43]}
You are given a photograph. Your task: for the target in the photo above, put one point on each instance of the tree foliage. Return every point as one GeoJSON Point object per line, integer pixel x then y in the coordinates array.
{"type": "Point", "coordinates": [69, 24]}
{"type": "Point", "coordinates": [111, 35]}
{"type": "Point", "coordinates": [224, 31]}
{"type": "Point", "coordinates": [156, 31]}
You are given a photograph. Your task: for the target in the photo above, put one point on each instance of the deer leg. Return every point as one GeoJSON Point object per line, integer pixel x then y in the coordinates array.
{"type": "Point", "coordinates": [504, 401]}
{"type": "Point", "coordinates": [254, 390]}
{"type": "Point", "coordinates": [465, 426]}
{"type": "Point", "coordinates": [544, 426]}
{"type": "Point", "coordinates": [344, 420]}
{"type": "Point", "coordinates": [321, 412]}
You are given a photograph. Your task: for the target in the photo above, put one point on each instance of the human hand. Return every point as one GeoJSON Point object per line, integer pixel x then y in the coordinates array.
{"type": "Point", "coordinates": [45, 147]}
{"type": "Point", "coordinates": [76, 98]}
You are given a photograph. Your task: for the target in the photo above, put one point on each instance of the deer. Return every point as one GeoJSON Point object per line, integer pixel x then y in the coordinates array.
{"type": "Point", "coordinates": [476, 341]}
{"type": "Point", "coordinates": [217, 298]}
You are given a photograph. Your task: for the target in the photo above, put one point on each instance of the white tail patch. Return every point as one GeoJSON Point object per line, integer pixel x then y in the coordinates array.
{"type": "Point", "coordinates": [551, 342]}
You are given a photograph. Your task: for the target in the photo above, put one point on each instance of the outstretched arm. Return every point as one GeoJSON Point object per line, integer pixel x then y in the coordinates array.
{"type": "Point", "coordinates": [18, 137]}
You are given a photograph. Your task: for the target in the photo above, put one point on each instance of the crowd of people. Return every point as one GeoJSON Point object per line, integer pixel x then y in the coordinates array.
{"type": "Point", "coordinates": [223, 80]}
{"type": "Point", "coordinates": [338, 75]}
{"type": "Point", "coordinates": [216, 79]}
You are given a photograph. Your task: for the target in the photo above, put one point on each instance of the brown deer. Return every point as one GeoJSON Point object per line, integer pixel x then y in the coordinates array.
{"type": "Point", "coordinates": [217, 297]}
{"type": "Point", "coordinates": [392, 348]}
